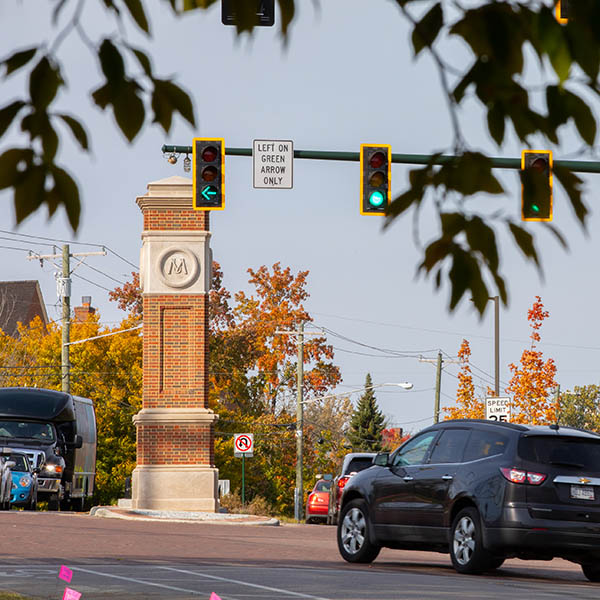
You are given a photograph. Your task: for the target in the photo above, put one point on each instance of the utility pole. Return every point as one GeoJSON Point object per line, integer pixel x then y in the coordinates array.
{"type": "Point", "coordinates": [299, 489]}
{"type": "Point", "coordinates": [438, 388]}
{"type": "Point", "coordinates": [438, 381]}
{"type": "Point", "coordinates": [496, 300]}
{"type": "Point", "coordinates": [65, 289]}
{"type": "Point", "coordinates": [64, 292]}
{"type": "Point", "coordinates": [299, 492]}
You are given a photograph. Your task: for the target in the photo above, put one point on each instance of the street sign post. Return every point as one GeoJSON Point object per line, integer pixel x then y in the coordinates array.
{"type": "Point", "coordinates": [243, 445]}
{"type": "Point", "coordinates": [273, 162]}
{"type": "Point", "coordinates": [497, 409]}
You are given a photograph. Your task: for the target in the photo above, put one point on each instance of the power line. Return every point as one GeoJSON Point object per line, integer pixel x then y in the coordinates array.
{"type": "Point", "coordinates": [39, 237]}
{"type": "Point", "coordinates": [90, 281]}
{"type": "Point", "coordinates": [103, 273]}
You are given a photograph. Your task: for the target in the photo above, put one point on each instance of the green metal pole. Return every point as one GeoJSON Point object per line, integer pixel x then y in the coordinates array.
{"type": "Point", "coordinates": [580, 166]}
{"type": "Point", "coordinates": [243, 479]}
{"type": "Point", "coordinates": [299, 495]}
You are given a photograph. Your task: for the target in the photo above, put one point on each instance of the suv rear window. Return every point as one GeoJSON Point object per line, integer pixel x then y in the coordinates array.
{"type": "Point", "coordinates": [359, 463]}
{"type": "Point", "coordinates": [563, 451]}
{"type": "Point", "coordinates": [483, 443]}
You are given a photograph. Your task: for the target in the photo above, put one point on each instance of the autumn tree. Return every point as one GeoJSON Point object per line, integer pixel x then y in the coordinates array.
{"type": "Point", "coordinates": [532, 384]}
{"type": "Point", "coordinates": [367, 422]}
{"type": "Point", "coordinates": [468, 406]}
{"type": "Point", "coordinates": [252, 375]}
{"type": "Point", "coordinates": [393, 437]}
{"type": "Point", "coordinates": [581, 407]}
{"type": "Point", "coordinates": [107, 370]}
{"type": "Point", "coordinates": [494, 74]}
{"type": "Point", "coordinates": [278, 306]}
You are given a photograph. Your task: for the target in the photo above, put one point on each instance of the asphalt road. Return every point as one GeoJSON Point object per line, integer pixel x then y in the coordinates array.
{"type": "Point", "coordinates": [113, 559]}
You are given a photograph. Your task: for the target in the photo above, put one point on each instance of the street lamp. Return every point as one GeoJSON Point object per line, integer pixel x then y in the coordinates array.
{"type": "Point", "coordinates": [299, 489]}
{"type": "Point", "coordinates": [406, 385]}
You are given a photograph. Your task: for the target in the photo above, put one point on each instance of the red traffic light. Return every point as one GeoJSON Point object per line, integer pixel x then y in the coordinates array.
{"type": "Point", "coordinates": [539, 164]}
{"type": "Point", "coordinates": [209, 154]}
{"type": "Point", "coordinates": [377, 160]}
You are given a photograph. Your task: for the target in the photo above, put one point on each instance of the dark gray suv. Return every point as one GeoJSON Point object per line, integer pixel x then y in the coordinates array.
{"type": "Point", "coordinates": [483, 491]}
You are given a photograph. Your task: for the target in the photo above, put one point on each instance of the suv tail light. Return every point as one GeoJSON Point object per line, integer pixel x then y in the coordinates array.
{"type": "Point", "coordinates": [515, 475]}
{"type": "Point", "coordinates": [342, 481]}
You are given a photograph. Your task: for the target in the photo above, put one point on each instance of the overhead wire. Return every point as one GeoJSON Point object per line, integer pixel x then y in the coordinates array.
{"type": "Point", "coordinates": [39, 237]}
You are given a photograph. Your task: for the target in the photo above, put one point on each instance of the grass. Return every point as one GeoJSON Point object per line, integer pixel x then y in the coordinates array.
{"type": "Point", "coordinates": [12, 596]}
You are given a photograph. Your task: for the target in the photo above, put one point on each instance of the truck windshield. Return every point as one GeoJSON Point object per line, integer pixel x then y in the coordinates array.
{"type": "Point", "coordinates": [43, 432]}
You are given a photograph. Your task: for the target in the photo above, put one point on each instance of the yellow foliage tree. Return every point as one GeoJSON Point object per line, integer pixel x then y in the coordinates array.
{"type": "Point", "coordinates": [467, 405]}
{"type": "Point", "coordinates": [532, 383]}
{"type": "Point", "coordinates": [107, 370]}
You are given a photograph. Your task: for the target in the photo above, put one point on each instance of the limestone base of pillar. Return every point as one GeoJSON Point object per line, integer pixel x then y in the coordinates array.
{"type": "Point", "coordinates": [175, 487]}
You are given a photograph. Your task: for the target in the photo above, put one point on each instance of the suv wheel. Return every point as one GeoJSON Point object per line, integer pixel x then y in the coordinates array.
{"type": "Point", "coordinates": [353, 534]}
{"type": "Point", "coordinates": [592, 572]}
{"type": "Point", "coordinates": [466, 547]}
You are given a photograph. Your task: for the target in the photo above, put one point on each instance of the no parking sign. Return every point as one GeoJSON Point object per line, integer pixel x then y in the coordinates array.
{"type": "Point", "coordinates": [243, 444]}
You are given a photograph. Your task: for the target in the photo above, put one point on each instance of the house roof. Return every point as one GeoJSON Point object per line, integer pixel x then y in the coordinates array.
{"type": "Point", "coordinates": [20, 302]}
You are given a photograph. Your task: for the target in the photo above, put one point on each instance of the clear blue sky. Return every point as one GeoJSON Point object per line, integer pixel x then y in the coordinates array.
{"type": "Point", "coordinates": [347, 77]}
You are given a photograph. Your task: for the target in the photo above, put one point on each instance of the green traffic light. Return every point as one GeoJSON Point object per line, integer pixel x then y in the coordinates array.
{"type": "Point", "coordinates": [535, 208]}
{"type": "Point", "coordinates": [377, 199]}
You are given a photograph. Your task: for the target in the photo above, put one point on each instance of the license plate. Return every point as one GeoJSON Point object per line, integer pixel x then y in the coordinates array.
{"type": "Point", "coordinates": [582, 492]}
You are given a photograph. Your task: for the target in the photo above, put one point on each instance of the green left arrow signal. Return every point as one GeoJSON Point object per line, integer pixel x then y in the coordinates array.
{"type": "Point", "coordinates": [208, 191]}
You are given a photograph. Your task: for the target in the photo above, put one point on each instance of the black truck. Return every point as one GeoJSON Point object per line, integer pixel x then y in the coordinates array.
{"type": "Point", "coordinates": [57, 431]}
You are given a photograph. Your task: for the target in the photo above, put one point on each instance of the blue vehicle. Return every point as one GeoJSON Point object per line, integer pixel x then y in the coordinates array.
{"type": "Point", "coordinates": [24, 482]}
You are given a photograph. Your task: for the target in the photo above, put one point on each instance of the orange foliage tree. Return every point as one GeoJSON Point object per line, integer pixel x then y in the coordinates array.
{"type": "Point", "coordinates": [108, 370]}
{"type": "Point", "coordinates": [467, 405]}
{"type": "Point", "coordinates": [532, 383]}
{"type": "Point", "coordinates": [252, 374]}
{"type": "Point", "coordinates": [278, 305]}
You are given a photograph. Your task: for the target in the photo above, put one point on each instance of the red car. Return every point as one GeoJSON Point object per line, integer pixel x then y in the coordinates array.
{"type": "Point", "coordinates": [317, 505]}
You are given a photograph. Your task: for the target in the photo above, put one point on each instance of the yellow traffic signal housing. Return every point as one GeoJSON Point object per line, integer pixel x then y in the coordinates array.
{"type": "Point", "coordinates": [208, 157]}
{"type": "Point", "coordinates": [536, 185]}
{"type": "Point", "coordinates": [562, 11]}
{"type": "Point", "coordinates": [375, 178]}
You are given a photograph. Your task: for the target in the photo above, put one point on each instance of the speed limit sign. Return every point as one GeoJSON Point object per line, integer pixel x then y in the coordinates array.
{"type": "Point", "coordinates": [497, 409]}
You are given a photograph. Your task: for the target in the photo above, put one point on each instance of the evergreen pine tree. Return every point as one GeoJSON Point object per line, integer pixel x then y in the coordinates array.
{"type": "Point", "coordinates": [367, 422]}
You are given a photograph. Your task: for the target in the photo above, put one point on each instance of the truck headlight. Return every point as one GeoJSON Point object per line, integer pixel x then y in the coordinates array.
{"type": "Point", "coordinates": [53, 468]}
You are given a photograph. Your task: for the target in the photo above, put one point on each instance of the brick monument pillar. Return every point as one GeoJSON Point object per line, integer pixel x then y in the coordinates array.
{"type": "Point", "coordinates": [175, 428]}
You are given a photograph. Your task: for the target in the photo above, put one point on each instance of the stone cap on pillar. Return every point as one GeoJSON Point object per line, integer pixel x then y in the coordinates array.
{"type": "Point", "coordinates": [175, 416]}
{"type": "Point", "coordinates": [168, 204]}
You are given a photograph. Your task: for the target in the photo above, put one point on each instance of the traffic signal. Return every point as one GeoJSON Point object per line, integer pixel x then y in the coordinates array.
{"type": "Point", "coordinates": [562, 11]}
{"type": "Point", "coordinates": [209, 173]}
{"type": "Point", "coordinates": [261, 12]}
{"type": "Point", "coordinates": [536, 185]}
{"type": "Point", "coordinates": [375, 178]}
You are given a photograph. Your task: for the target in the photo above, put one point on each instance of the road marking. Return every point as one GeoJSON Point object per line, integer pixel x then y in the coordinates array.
{"type": "Point", "coordinates": [131, 579]}
{"type": "Point", "coordinates": [253, 585]}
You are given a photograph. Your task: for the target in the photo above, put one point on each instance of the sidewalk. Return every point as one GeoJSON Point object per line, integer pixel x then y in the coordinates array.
{"type": "Point", "coordinates": [179, 516]}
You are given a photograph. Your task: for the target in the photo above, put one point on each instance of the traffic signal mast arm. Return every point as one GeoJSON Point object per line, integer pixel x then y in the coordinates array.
{"type": "Point", "coordinates": [579, 166]}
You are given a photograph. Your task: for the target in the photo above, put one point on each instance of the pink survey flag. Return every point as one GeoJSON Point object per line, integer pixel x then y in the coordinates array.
{"type": "Point", "coordinates": [65, 574]}
{"type": "Point", "coordinates": [71, 594]}
{"type": "Point", "coordinates": [213, 596]}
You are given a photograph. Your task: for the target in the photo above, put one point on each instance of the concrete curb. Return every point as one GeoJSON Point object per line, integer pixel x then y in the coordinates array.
{"type": "Point", "coordinates": [180, 516]}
